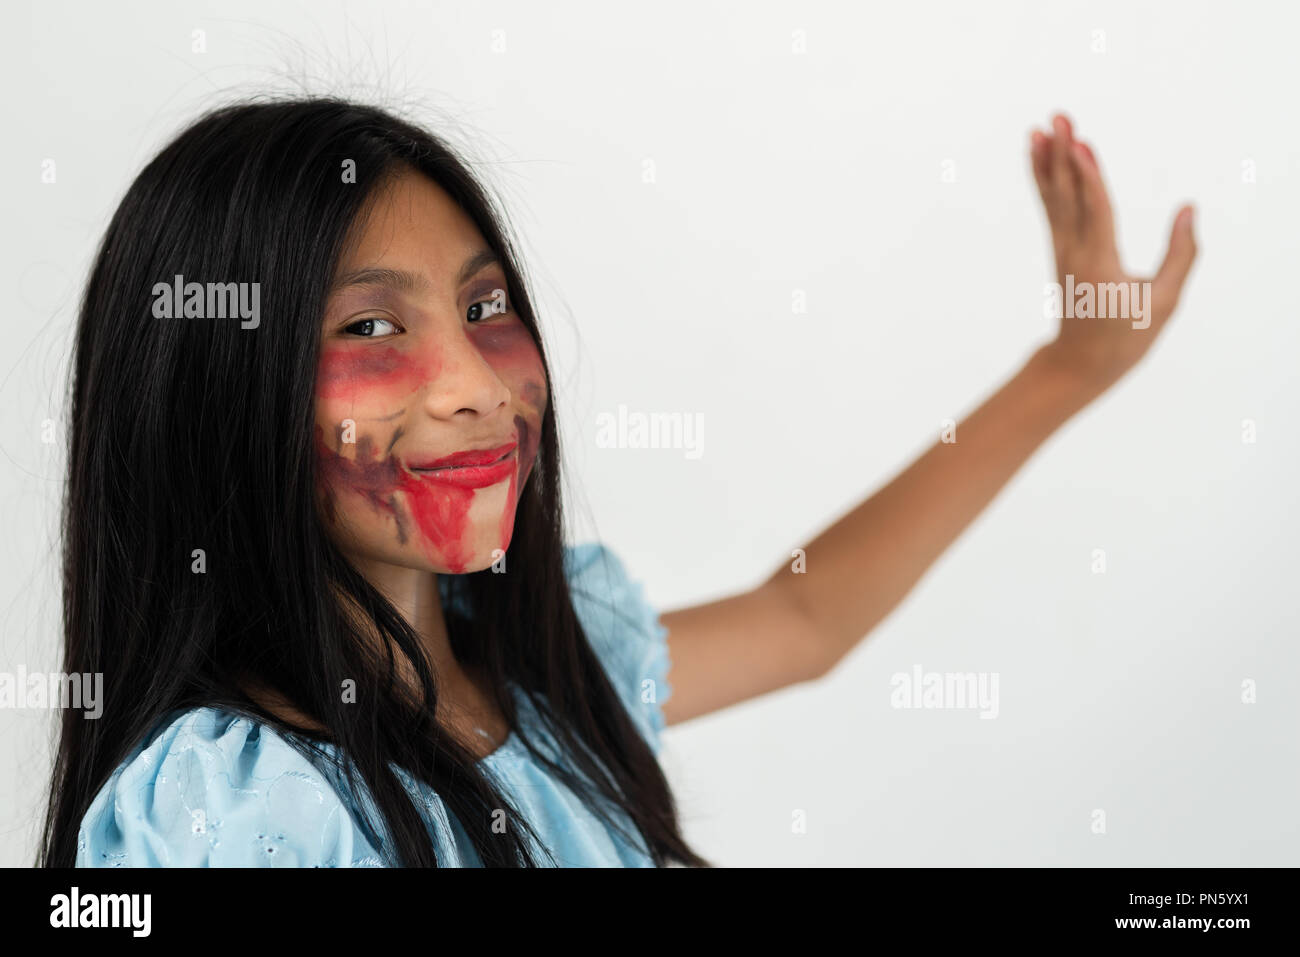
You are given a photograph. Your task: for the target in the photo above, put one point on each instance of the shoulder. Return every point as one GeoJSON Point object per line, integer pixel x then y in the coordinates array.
{"type": "Point", "coordinates": [624, 630]}
{"type": "Point", "coordinates": [212, 788]}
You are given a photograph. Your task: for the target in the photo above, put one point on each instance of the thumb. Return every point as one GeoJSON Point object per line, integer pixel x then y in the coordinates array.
{"type": "Point", "coordinates": [1178, 260]}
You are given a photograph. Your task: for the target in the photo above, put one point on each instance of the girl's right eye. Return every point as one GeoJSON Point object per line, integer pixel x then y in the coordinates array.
{"type": "Point", "coordinates": [369, 328]}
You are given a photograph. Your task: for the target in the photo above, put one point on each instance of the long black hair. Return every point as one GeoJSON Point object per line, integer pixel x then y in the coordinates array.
{"type": "Point", "coordinates": [192, 435]}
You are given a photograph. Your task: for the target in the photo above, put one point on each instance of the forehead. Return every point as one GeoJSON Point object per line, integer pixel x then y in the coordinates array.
{"type": "Point", "coordinates": [411, 223]}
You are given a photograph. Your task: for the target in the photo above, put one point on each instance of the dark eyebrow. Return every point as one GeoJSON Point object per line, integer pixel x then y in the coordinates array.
{"type": "Point", "coordinates": [475, 263]}
{"type": "Point", "coordinates": [404, 281]}
{"type": "Point", "coordinates": [397, 279]}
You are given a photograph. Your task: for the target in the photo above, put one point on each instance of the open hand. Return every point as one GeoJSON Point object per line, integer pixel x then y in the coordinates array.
{"type": "Point", "coordinates": [1098, 349]}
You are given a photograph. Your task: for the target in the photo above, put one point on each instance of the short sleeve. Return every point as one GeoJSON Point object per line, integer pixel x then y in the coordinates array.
{"type": "Point", "coordinates": [217, 789]}
{"type": "Point", "coordinates": [624, 631]}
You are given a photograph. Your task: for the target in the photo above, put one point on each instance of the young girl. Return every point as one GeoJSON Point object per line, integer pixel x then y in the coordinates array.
{"type": "Point", "coordinates": [313, 528]}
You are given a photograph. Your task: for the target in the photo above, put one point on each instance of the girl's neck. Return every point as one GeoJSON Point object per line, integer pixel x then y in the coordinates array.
{"type": "Point", "coordinates": [465, 703]}
{"type": "Point", "coordinates": [414, 593]}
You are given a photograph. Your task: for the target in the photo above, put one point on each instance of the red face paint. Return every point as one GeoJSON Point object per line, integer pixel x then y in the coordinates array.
{"type": "Point", "coordinates": [346, 370]}
{"type": "Point", "coordinates": [440, 512]}
{"type": "Point", "coordinates": [527, 453]}
{"type": "Point", "coordinates": [436, 513]}
{"type": "Point", "coordinates": [511, 351]}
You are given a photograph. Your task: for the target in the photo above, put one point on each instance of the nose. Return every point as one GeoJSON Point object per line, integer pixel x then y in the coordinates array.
{"type": "Point", "coordinates": [466, 383]}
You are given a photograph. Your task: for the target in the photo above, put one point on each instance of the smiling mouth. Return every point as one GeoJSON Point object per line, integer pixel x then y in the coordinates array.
{"type": "Point", "coordinates": [476, 468]}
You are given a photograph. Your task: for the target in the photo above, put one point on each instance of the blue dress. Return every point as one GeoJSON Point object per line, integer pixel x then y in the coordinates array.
{"type": "Point", "coordinates": [216, 789]}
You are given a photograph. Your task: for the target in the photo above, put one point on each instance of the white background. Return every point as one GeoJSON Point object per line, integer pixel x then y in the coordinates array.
{"type": "Point", "coordinates": [777, 171]}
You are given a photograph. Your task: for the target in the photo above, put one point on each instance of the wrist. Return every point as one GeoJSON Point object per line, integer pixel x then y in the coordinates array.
{"type": "Point", "coordinates": [1062, 375]}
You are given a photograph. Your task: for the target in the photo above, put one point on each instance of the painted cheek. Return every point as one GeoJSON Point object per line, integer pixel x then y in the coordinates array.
{"type": "Point", "coordinates": [347, 371]}
{"type": "Point", "coordinates": [514, 356]}
{"type": "Point", "coordinates": [528, 437]}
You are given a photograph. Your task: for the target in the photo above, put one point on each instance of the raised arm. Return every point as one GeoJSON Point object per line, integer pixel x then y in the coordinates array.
{"type": "Point", "coordinates": [806, 617]}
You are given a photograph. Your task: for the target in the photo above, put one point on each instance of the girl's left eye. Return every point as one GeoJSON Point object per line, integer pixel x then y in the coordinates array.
{"type": "Point", "coordinates": [488, 308]}
{"type": "Point", "coordinates": [367, 328]}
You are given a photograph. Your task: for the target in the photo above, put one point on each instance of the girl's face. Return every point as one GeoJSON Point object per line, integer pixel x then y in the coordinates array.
{"type": "Point", "coordinates": [429, 391]}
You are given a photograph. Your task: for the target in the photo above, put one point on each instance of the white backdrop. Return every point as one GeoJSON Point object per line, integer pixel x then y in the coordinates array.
{"type": "Point", "coordinates": [679, 173]}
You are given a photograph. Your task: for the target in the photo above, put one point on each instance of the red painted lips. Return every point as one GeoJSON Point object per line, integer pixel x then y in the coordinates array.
{"type": "Point", "coordinates": [474, 468]}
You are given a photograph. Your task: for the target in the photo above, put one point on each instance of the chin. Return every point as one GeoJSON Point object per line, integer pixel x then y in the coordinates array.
{"type": "Point", "coordinates": [464, 561]}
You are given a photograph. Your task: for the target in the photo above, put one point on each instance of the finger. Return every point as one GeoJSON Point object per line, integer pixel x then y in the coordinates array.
{"type": "Point", "coordinates": [1063, 173]}
{"type": "Point", "coordinates": [1178, 260]}
{"type": "Point", "coordinates": [1040, 152]}
{"type": "Point", "coordinates": [1098, 223]}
